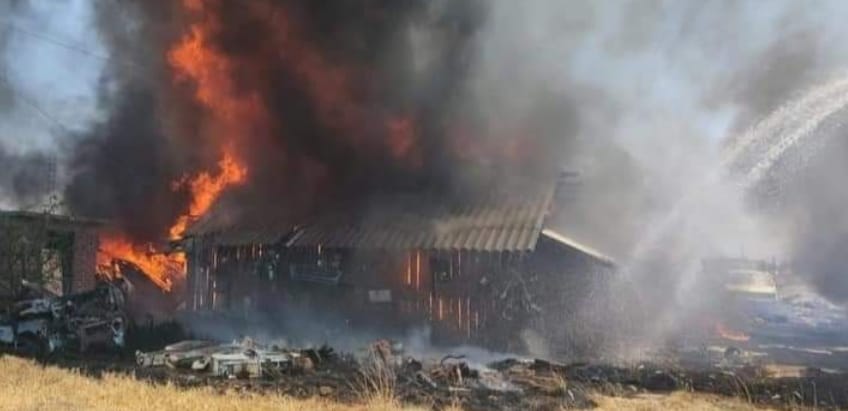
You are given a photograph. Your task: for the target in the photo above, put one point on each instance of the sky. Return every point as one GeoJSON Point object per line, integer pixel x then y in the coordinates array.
{"type": "Point", "coordinates": [59, 80]}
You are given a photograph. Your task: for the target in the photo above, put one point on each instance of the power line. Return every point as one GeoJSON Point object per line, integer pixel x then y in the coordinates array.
{"type": "Point", "coordinates": [49, 39]}
{"type": "Point", "coordinates": [4, 81]}
{"type": "Point", "coordinates": [7, 84]}
{"type": "Point", "coordinates": [53, 40]}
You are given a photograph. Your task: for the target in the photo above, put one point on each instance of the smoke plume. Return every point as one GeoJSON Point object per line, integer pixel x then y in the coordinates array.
{"type": "Point", "coordinates": [815, 203]}
{"type": "Point", "coordinates": [27, 178]}
{"type": "Point", "coordinates": [659, 88]}
{"type": "Point", "coordinates": [321, 103]}
{"type": "Point", "coordinates": [44, 94]}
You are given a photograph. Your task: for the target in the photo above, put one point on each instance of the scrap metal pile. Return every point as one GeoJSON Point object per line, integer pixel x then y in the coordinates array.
{"type": "Point", "coordinates": [244, 359]}
{"type": "Point", "coordinates": [40, 322]}
{"type": "Point", "coordinates": [454, 380]}
{"type": "Point", "coordinates": [383, 365]}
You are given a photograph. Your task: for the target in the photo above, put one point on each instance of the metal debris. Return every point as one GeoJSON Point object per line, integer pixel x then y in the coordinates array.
{"type": "Point", "coordinates": [244, 359]}
{"type": "Point", "coordinates": [508, 384]}
{"type": "Point", "coordinates": [41, 322]}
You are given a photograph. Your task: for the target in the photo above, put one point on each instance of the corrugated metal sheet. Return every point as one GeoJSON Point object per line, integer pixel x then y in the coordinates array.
{"type": "Point", "coordinates": [503, 222]}
{"type": "Point", "coordinates": [243, 236]}
{"type": "Point", "coordinates": [509, 218]}
{"type": "Point", "coordinates": [226, 229]}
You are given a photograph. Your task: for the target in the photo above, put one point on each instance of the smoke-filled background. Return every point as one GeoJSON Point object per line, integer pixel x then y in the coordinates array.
{"type": "Point", "coordinates": [329, 102]}
{"type": "Point", "coordinates": [46, 90]}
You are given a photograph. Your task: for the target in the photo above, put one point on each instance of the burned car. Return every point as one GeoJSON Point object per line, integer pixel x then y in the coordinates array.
{"type": "Point", "coordinates": [40, 322]}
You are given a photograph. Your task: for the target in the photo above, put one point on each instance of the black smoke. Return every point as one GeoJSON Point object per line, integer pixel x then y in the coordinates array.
{"type": "Point", "coordinates": [27, 179]}
{"type": "Point", "coordinates": [360, 97]}
{"type": "Point", "coordinates": [124, 169]}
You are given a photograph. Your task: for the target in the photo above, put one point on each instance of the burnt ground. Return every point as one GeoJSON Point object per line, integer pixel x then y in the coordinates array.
{"type": "Point", "coordinates": [504, 385]}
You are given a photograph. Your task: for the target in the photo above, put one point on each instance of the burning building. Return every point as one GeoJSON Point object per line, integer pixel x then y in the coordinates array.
{"type": "Point", "coordinates": [475, 270]}
{"type": "Point", "coordinates": [58, 252]}
{"type": "Point", "coordinates": [305, 152]}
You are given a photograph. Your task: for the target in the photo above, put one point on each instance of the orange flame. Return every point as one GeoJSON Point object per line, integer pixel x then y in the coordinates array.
{"type": "Point", "coordinates": [196, 62]}
{"type": "Point", "coordinates": [162, 269]}
{"type": "Point", "coordinates": [205, 189]}
{"type": "Point", "coordinates": [729, 334]}
{"type": "Point", "coordinates": [402, 141]}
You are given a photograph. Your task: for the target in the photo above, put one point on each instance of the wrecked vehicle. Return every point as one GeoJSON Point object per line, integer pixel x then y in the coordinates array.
{"type": "Point", "coordinates": [40, 322]}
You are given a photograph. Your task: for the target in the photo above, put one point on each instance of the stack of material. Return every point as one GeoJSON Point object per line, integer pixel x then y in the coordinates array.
{"type": "Point", "coordinates": [244, 359]}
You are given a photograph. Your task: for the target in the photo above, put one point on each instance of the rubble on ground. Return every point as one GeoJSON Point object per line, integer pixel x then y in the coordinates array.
{"type": "Point", "coordinates": [244, 359]}
{"type": "Point", "coordinates": [454, 380]}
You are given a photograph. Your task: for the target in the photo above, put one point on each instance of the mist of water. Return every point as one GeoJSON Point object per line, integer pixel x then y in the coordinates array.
{"type": "Point", "coordinates": [798, 126]}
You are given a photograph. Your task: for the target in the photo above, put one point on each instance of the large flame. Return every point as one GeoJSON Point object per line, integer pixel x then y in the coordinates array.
{"type": "Point", "coordinates": [194, 61]}
{"type": "Point", "coordinates": [162, 269]}
{"type": "Point", "coordinates": [205, 188]}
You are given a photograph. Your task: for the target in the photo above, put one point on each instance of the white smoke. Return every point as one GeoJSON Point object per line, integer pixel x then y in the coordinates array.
{"type": "Point", "coordinates": [660, 88]}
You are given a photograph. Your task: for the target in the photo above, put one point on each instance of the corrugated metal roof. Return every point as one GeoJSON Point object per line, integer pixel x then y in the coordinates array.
{"type": "Point", "coordinates": [507, 218]}
{"type": "Point", "coordinates": [265, 235]}
{"type": "Point", "coordinates": [507, 221]}
{"type": "Point", "coordinates": [234, 229]}
{"type": "Point", "coordinates": [242, 235]}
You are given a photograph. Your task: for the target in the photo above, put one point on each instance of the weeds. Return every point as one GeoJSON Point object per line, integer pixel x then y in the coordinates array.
{"type": "Point", "coordinates": [377, 381]}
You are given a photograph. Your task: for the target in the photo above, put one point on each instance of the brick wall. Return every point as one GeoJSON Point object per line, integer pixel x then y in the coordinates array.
{"type": "Point", "coordinates": [86, 242]}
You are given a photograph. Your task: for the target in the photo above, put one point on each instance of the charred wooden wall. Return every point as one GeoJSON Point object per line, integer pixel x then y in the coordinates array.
{"type": "Point", "coordinates": [570, 288]}
{"type": "Point", "coordinates": [482, 298]}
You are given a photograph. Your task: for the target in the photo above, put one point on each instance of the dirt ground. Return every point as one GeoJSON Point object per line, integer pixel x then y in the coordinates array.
{"type": "Point", "coordinates": [26, 385]}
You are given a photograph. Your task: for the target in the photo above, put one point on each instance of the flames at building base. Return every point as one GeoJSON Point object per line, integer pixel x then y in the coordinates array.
{"type": "Point", "coordinates": [163, 267]}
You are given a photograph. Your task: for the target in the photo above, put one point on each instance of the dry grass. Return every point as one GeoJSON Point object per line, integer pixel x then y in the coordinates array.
{"type": "Point", "coordinates": [27, 386]}
{"type": "Point", "coordinates": [674, 401]}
